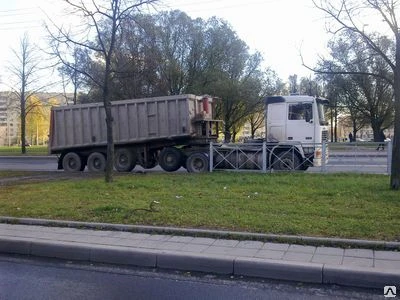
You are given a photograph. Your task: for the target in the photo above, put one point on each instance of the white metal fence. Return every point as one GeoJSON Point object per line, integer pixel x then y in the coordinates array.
{"type": "Point", "coordinates": [361, 157]}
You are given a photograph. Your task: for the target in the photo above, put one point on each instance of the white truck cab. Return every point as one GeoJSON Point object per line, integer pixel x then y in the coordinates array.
{"type": "Point", "coordinates": [297, 121]}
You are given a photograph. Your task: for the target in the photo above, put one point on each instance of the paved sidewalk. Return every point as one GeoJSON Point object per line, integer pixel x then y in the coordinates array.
{"type": "Point", "coordinates": [352, 267]}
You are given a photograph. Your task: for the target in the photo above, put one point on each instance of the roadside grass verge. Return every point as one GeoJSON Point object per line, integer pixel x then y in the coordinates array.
{"type": "Point", "coordinates": [7, 174]}
{"type": "Point", "coordinates": [328, 205]}
{"type": "Point", "coordinates": [16, 150]}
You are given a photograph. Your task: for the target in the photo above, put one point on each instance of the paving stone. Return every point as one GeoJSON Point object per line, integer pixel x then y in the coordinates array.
{"type": "Point", "coordinates": [150, 244]}
{"type": "Point", "coordinates": [7, 232]}
{"type": "Point", "coordinates": [197, 248]}
{"type": "Point", "coordinates": [140, 236]}
{"type": "Point", "coordinates": [298, 256]}
{"type": "Point", "coordinates": [389, 255]}
{"type": "Point", "coordinates": [329, 251]}
{"type": "Point", "coordinates": [181, 239]}
{"type": "Point", "coordinates": [250, 244]}
{"type": "Point", "coordinates": [171, 246]}
{"type": "Point", "coordinates": [364, 253]}
{"type": "Point", "coordinates": [327, 259]}
{"type": "Point", "coordinates": [270, 254]}
{"type": "Point", "coordinates": [387, 264]}
{"type": "Point", "coordinates": [302, 249]}
{"type": "Point", "coordinates": [159, 237]}
{"type": "Point", "coordinates": [217, 250]}
{"type": "Point", "coordinates": [358, 261]}
{"type": "Point", "coordinates": [276, 246]}
{"type": "Point", "coordinates": [124, 234]}
{"type": "Point", "coordinates": [131, 243]}
{"type": "Point", "coordinates": [226, 243]}
{"type": "Point", "coordinates": [203, 241]}
{"type": "Point", "coordinates": [95, 232]}
{"type": "Point", "coordinates": [77, 237]}
{"type": "Point", "coordinates": [242, 252]}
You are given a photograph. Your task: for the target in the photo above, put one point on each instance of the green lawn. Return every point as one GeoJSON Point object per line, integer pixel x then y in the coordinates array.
{"type": "Point", "coordinates": [328, 205]}
{"type": "Point", "coordinates": [16, 150]}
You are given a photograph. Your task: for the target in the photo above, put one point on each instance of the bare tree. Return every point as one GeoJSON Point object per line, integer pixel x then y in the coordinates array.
{"type": "Point", "coordinates": [24, 69]}
{"type": "Point", "coordinates": [347, 15]}
{"type": "Point", "coordinates": [71, 76]}
{"type": "Point", "coordinates": [103, 21]}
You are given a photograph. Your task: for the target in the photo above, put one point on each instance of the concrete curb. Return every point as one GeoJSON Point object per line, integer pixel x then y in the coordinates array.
{"type": "Point", "coordinates": [303, 240]}
{"type": "Point", "coordinates": [241, 266]}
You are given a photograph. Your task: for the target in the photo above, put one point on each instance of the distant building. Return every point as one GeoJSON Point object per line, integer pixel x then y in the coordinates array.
{"type": "Point", "coordinates": [9, 120]}
{"type": "Point", "coordinates": [10, 115]}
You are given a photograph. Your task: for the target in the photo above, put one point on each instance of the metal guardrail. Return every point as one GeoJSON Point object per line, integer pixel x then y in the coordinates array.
{"type": "Point", "coordinates": [238, 156]}
{"type": "Point", "coordinates": [365, 157]}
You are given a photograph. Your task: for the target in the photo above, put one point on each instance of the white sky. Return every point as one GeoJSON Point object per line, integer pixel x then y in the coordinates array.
{"type": "Point", "coordinates": [276, 28]}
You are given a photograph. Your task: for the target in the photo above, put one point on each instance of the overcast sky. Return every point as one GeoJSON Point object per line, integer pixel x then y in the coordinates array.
{"type": "Point", "coordinates": [279, 29]}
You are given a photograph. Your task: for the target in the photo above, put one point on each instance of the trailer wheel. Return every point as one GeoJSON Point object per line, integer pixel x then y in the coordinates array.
{"type": "Point", "coordinates": [286, 161]}
{"type": "Point", "coordinates": [96, 162]}
{"type": "Point", "coordinates": [125, 160]}
{"type": "Point", "coordinates": [170, 159]}
{"type": "Point", "coordinates": [197, 163]}
{"type": "Point", "coordinates": [72, 162]}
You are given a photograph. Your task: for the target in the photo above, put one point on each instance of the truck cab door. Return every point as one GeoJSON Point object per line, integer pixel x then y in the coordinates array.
{"type": "Point", "coordinates": [300, 123]}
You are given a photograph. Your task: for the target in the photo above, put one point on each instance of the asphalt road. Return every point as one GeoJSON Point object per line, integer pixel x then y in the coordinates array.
{"type": "Point", "coordinates": [28, 278]}
{"type": "Point", "coordinates": [372, 163]}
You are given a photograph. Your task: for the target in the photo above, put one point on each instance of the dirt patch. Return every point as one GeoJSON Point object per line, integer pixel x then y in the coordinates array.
{"type": "Point", "coordinates": [38, 177]}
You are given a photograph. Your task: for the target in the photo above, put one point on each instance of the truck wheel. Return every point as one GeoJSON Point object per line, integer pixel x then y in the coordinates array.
{"type": "Point", "coordinates": [72, 162]}
{"type": "Point", "coordinates": [170, 159]}
{"type": "Point", "coordinates": [125, 160]}
{"type": "Point", "coordinates": [197, 163]}
{"type": "Point", "coordinates": [286, 162]}
{"type": "Point", "coordinates": [96, 162]}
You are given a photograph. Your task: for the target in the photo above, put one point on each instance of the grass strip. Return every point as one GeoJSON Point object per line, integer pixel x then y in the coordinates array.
{"type": "Point", "coordinates": [327, 205]}
{"type": "Point", "coordinates": [16, 150]}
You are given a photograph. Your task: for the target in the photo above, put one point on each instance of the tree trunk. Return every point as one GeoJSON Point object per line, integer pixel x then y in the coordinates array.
{"type": "Point", "coordinates": [110, 137]}
{"type": "Point", "coordinates": [395, 171]}
{"type": "Point", "coordinates": [354, 123]}
{"type": "Point", "coordinates": [336, 121]}
{"type": "Point", "coordinates": [109, 122]}
{"type": "Point", "coordinates": [23, 119]}
{"type": "Point", "coordinates": [110, 144]}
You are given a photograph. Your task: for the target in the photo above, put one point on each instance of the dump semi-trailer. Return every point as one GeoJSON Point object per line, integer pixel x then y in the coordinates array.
{"type": "Point", "coordinates": [172, 131]}
{"type": "Point", "coordinates": [176, 131]}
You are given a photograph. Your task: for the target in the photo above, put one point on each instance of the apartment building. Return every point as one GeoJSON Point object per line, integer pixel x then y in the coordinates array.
{"type": "Point", "coordinates": [9, 120]}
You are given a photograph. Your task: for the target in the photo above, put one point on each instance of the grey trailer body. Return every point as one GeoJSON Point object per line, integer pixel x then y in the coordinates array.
{"type": "Point", "coordinates": [146, 131]}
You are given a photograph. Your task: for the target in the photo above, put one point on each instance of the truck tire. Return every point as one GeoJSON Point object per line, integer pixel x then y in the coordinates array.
{"type": "Point", "coordinates": [124, 160]}
{"type": "Point", "coordinates": [170, 159]}
{"type": "Point", "coordinates": [96, 162]}
{"type": "Point", "coordinates": [286, 161]}
{"type": "Point", "coordinates": [197, 163]}
{"type": "Point", "coordinates": [72, 162]}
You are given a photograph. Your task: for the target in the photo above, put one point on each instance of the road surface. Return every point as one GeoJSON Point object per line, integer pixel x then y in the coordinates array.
{"type": "Point", "coordinates": [29, 278]}
{"type": "Point", "coordinates": [373, 162]}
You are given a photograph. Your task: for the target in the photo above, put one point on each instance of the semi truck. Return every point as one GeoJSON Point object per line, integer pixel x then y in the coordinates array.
{"type": "Point", "coordinates": [177, 131]}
